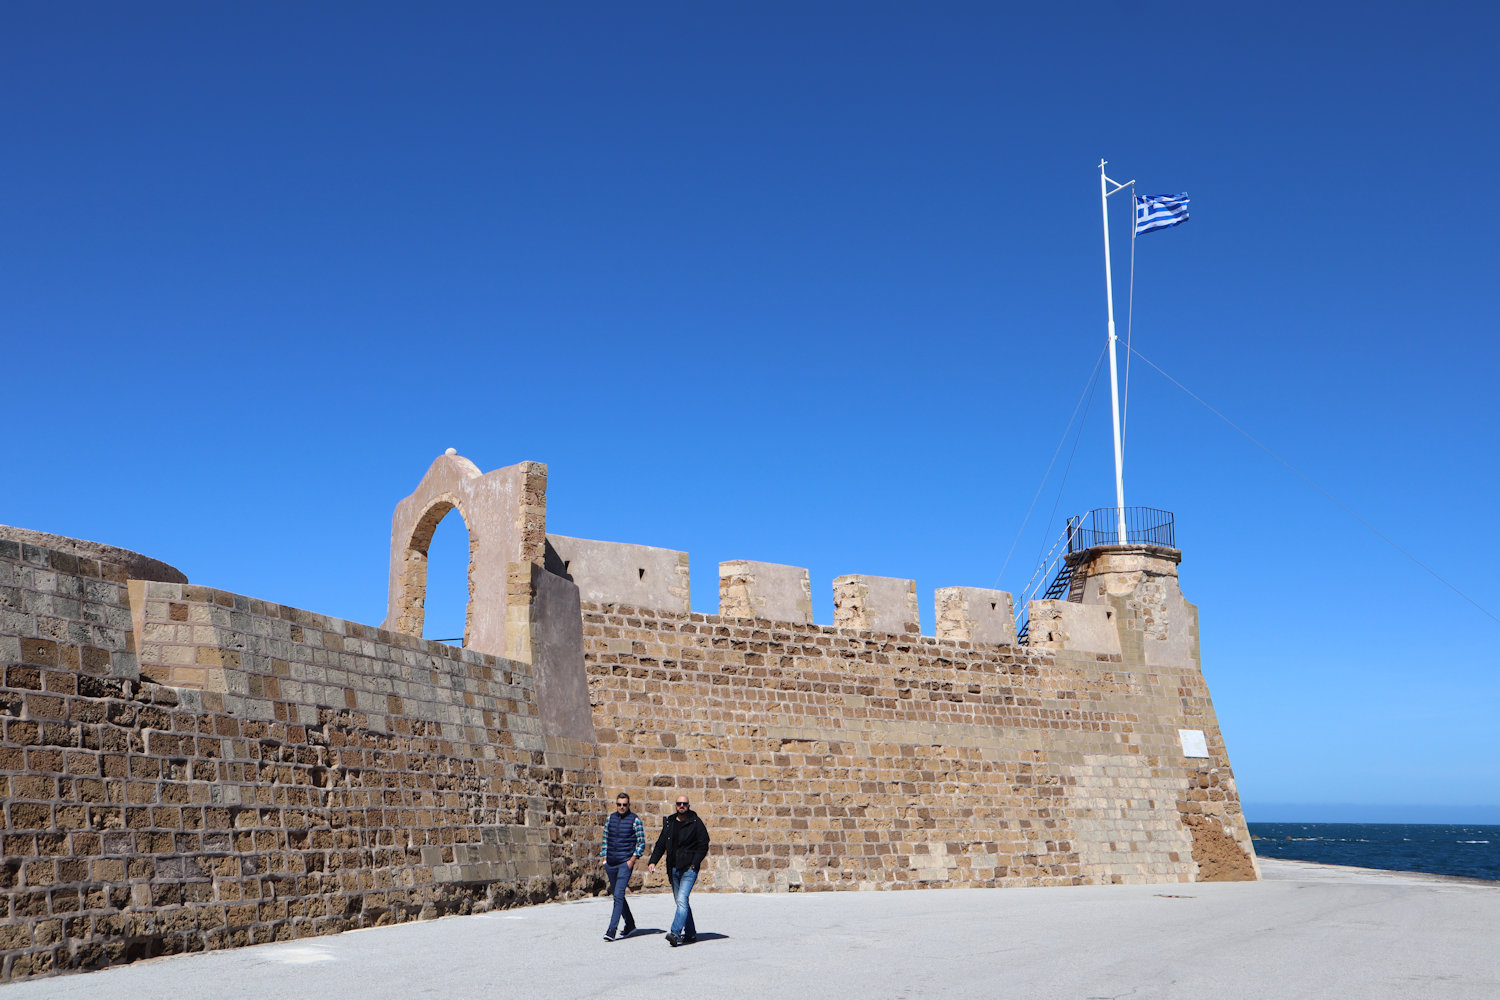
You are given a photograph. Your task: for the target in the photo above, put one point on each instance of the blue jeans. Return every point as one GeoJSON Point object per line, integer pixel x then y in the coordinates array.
{"type": "Point", "coordinates": [682, 887]}
{"type": "Point", "coordinates": [619, 881]}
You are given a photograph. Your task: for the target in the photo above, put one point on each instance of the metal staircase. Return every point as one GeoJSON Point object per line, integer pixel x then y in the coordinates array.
{"type": "Point", "coordinates": [1144, 526]}
{"type": "Point", "coordinates": [1061, 584]}
{"type": "Point", "coordinates": [1060, 587]}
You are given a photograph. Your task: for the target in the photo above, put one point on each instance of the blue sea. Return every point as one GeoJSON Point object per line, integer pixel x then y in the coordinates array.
{"type": "Point", "coordinates": [1472, 851]}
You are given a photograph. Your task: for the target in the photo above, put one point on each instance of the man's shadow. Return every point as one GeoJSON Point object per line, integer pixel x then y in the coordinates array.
{"type": "Point", "coordinates": [643, 932]}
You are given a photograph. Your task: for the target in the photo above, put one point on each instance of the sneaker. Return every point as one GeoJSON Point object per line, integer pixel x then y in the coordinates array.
{"type": "Point", "coordinates": [609, 935]}
{"type": "Point", "coordinates": [673, 939]}
{"type": "Point", "coordinates": [689, 938]}
{"type": "Point", "coordinates": [629, 930]}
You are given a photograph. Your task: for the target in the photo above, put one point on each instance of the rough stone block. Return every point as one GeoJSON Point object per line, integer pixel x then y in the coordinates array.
{"type": "Point", "coordinates": [975, 615]}
{"type": "Point", "coordinates": [876, 604]}
{"type": "Point", "coordinates": [765, 590]}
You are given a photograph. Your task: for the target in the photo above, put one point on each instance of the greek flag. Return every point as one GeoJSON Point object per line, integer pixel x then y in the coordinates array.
{"type": "Point", "coordinates": [1159, 211]}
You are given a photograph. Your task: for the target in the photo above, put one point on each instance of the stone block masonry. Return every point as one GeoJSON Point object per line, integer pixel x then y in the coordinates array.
{"type": "Point", "coordinates": [973, 614]}
{"type": "Point", "coordinates": [194, 769]}
{"type": "Point", "coordinates": [764, 590]}
{"type": "Point", "coordinates": [105, 562]}
{"type": "Point", "coordinates": [849, 758]}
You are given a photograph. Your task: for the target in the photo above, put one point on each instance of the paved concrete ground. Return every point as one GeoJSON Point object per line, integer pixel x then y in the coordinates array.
{"type": "Point", "coordinates": [1305, 931]}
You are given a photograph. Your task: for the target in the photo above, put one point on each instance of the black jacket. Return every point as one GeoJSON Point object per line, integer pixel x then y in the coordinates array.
{"type": "Point", "coordinates": [684, 842]}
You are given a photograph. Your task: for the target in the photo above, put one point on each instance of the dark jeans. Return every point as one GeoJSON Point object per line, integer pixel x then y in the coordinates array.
{"type": "Point", "coordinates": [619, 881]}
{"type": "Point", "coordinates": [682, 887]}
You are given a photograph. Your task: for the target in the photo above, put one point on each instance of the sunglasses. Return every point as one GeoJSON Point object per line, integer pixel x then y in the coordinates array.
{"type": "Point", "coordinates": [682, 805]}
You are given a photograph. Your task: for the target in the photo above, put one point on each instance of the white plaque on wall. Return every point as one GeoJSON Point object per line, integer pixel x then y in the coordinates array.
{"type": "Point", "coordinates": [1193, 743]}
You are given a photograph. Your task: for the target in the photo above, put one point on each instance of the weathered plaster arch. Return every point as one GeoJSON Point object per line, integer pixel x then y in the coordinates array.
{"type": "Point", "coordinates": [505, 513]}
{"type": "Point", "coordinates": [413, 602]}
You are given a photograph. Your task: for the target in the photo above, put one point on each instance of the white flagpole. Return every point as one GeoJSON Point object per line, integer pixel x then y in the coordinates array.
{"type": "Point", "coordinates": [1114, 381]}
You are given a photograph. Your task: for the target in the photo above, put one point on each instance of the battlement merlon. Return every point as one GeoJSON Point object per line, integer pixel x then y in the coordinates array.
{"type": "Point", "coordinates": [765, 590]}
{"type": "Point", "coordinates": [876, 604]}
{"type": "Point", "coordinates": [773, 592]}
{"type": "Point", "coordinates": [972, 614]}
{"type": "Point", "coordinates": [621, 573]}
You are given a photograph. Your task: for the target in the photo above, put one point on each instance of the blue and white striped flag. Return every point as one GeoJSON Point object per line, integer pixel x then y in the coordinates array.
{"type": "Point", "coordinates": [1158, 211]}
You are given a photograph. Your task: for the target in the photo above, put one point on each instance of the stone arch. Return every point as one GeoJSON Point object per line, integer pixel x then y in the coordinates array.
{"type": "Point", "coordinates": [505, 514]}
{"type": "Point", "coordinates": [412, 604]}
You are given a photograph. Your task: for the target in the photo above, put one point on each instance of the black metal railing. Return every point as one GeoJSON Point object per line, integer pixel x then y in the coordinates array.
{"type": "Point", "coordinates": [1143, 526]}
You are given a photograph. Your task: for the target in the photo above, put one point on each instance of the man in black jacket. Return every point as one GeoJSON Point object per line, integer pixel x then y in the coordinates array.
{"type": "Point", "coordinates": [684, 840]}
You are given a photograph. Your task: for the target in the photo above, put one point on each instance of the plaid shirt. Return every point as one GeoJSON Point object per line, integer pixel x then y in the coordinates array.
{"type": "Point", "coordinates": [640, 837]}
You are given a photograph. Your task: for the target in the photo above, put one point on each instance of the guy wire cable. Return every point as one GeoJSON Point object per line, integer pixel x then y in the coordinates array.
{"type": "Point", "coordinates": [1087, 387]}
{"type": "Point", "coordinates": [1062, 483]}
{"type": "Point", "coordinates": [1339, 503]}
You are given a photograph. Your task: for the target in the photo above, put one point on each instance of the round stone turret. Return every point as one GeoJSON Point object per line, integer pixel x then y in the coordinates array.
{"type": "Point", "coordinates": [114, 563]}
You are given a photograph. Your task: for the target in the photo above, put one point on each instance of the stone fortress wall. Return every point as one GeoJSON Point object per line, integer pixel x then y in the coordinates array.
{"type": "Point", "coordinates": [844, 758]}
{"type": "Point", "coordinates": [187, 768]}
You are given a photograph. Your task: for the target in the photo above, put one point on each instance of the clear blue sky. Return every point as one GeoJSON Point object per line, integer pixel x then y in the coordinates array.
{"type": "Point", "coordinates": [809, 283]}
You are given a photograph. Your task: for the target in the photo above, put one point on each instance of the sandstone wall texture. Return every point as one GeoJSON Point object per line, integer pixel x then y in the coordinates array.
{"type": "Point", "coordinates": [193, 769]}
{"type": "Point", "coordinates": [107, 561]}
{"type": "Point", "coordinates": [830, 758]}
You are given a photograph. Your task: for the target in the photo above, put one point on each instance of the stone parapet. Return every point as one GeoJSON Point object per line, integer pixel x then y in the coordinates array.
{"type": "Point", "coordinates": [764, 590]}
{"type": "Point", "coordinates": [971, 614]}
{"type": "Point", "coordinates": [642, 576]}
{"type": "Point", "coordinates": [107, 562]}
{"type": "Point", "coordinates": [1084, 628]}
{"type": "Point", "coordinates": [876, 604]}
{"type": "Point", "coordinates": [253, 659]}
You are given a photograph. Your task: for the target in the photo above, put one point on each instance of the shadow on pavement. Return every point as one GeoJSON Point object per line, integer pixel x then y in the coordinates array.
{"type": "Point", "coordinates": [645, 932]}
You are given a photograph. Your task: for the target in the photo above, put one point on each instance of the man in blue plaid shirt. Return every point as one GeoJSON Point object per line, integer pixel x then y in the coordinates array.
{"type": "Point", "coordinates": [624, 841]}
